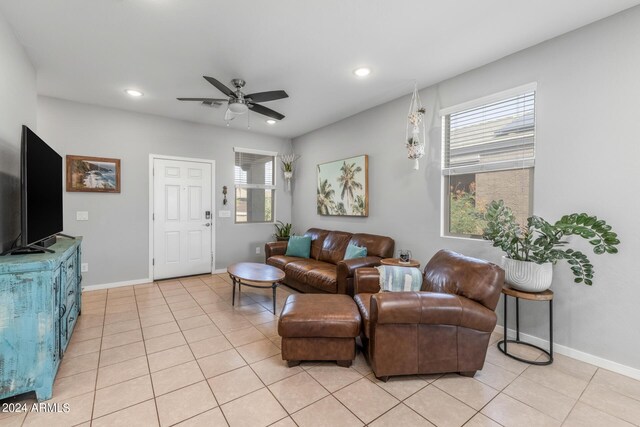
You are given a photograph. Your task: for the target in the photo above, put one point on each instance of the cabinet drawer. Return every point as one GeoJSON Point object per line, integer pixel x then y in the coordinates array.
{"type": "Point", "coordinates": [70, 266]}
{"type": "Point", "coordinates": [67, 322]}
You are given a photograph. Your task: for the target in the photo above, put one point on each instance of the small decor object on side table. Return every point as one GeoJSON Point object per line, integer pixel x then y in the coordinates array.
{"type": "Point", "coordinates": [532, 249]}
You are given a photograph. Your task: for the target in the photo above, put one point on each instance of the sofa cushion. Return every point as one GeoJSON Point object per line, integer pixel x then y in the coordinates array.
{"type": "Point", "coordinates": [380, 246]}
{"type": "Point", "coordinates": [317, 239]}
{"type": "Point", "coordinates": [280, 261]}
{"type": "Point", "coordinates": [324, 279]}
{"type": "Point", "coordinates": [364, 305]}
{"type": "Point", "coordinates": [297, 270]}
{"type": "Point", "coordinates": [354, 251]}
{"type": "Point", "coordinates": [299, 246]}
{"type": "Point", "coordinates": [334, 246]}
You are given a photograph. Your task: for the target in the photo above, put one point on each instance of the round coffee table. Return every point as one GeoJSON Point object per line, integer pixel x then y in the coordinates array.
{"type": "Point", "coordinates": [242, 272]}
{"type": "Point", "coordinates": [398, 263]}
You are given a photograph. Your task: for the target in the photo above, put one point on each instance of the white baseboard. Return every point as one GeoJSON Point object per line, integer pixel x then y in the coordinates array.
{"type": "Point", "coordinates": [116, 284]}
{"type": "Point", "coordinates": [576, 354]}
{"type": "Point", "coordinates": [219, 271]}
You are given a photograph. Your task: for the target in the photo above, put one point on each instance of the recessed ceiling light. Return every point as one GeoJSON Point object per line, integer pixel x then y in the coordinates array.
{"type": "Point", "coordinates": [270, 122]}
{"type": "Point", "coordinates": [133, 92]}
{"type": "Point", "coordinates": [362, 71]}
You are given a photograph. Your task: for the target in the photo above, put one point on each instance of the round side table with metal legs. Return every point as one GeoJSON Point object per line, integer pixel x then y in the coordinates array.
{"type": "Point", "coordinates": [530, 296]}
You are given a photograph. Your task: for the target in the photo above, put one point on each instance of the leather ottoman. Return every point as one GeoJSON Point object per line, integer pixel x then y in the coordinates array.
{"type": "Point", "coordinates": [319, 327]}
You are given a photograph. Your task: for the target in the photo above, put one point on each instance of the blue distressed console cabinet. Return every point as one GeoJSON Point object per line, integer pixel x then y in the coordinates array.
{"type": "Point", "coordinates": [40, 301]}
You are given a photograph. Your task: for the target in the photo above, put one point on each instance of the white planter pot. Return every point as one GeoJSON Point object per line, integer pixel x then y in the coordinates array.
{"type": "Point", "coordinates": [527, 276]}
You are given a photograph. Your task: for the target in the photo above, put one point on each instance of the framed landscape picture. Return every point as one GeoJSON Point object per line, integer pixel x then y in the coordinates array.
{"type": "Point", "coordinates": [93, 174]}
{"type": "Point", "coordinates": [343, 187]}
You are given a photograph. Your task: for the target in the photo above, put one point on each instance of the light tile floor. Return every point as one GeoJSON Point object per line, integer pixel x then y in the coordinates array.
{"type": "Point", "coordinates": [177, 353]}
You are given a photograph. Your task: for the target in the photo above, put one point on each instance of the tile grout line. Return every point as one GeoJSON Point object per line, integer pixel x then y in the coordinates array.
{"type": "Point", "coordinates": [144, 345]}
{"type": "Point", "coordinates": [95, 385]}
{"type": "Point", "coordinates": [215, 399]}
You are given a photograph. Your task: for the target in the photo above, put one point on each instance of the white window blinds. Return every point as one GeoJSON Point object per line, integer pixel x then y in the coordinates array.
{"type": "Point", "coordinates": [495, 136]}
{"type": "Point", "coordinates": [254, 170]}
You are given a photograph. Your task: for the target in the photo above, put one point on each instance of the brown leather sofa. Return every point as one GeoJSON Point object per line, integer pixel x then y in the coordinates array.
{"type": "Point", "coordinates": [326, 271]}
{"type": "Point", "coordinates": [443, 328]}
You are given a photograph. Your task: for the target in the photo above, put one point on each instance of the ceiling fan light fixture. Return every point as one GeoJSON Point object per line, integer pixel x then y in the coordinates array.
{"type": "Point", "coordinates": [133, 92]}
{"type": "Point", "coordinates": [362, 71]}
{"type": "Point", "coordinates": [270, 122]}
{"type": "Point", "coordinates": [238, 106]}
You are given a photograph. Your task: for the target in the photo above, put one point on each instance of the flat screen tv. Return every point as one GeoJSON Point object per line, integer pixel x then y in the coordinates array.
{"type": "Point", "coordinates": [41, 182]}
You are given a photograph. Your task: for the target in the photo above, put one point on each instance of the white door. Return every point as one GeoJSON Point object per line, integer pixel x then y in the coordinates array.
{"type": "Point", "coordinates": [182, 218]}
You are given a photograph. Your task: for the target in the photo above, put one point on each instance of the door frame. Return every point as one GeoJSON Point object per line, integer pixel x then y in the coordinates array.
{"type": "Point", "coordinates": [153, 157]}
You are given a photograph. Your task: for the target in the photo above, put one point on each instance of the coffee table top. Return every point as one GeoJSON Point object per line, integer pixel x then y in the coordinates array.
{"type": "Point", "coordinates": [256, 272]}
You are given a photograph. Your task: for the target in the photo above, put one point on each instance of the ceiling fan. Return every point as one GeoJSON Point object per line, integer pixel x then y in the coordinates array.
{"type": "Point", "coordinates": [239, 102]}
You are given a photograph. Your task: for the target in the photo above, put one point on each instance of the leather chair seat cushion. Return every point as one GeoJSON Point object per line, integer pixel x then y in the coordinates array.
{"type": "Point", "coordinates": [280, 261]}
{"type": "Point", "coordinates": [297, 270]}
{"type": "Point", "coordinates": [319, 316]}
{"type": "Point", "coordinates": [323, 278]}
{"type": "Point", "coordinates": [363, 302]}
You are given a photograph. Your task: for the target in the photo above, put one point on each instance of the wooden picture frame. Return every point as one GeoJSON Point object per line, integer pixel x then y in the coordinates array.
{"type": "Point", "coordinates": [343, 187]}
{"type": "Point", "coordinates": [93, 174]}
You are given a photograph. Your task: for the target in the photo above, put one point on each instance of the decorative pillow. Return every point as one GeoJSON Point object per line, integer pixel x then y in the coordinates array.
{"type": "Point", "coordinates": [399, 279]}
{"type": "Point", "coordinates": [354, 251]}
{"type": "Point", "coordinates": [299, 246]}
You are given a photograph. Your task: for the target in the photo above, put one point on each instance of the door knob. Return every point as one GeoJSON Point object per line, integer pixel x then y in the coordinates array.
{"type": "Point", "coordinates": [207, 224]}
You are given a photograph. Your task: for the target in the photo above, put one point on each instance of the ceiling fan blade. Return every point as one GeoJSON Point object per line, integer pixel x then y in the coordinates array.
{"type": "Point", "coordinates": [266, 111]}
{"type": "Point", "coordinates": [222, 88]}
{"type": "Point", "coordinates": [203, 99]}
{"type": "Point", "coordinates": [267, 96]}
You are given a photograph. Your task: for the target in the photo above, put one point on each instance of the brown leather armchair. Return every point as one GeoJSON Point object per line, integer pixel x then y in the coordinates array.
{"type": "Point", "coordinates": [443, 328]}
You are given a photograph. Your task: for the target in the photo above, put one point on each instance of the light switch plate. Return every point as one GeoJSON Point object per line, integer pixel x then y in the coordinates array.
{"type": "Point", "coordinates": [224, 214]}
{"type": "Point", "coordinates": [84, 267]}
{"type": "Point", "coordinates": [82, 216]}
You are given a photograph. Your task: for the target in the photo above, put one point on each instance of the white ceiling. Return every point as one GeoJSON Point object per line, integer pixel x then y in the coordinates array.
{"type": "Point", "coordinates": [91, 50]}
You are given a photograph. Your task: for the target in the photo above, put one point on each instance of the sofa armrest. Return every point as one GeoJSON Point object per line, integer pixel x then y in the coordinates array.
{"type": "Point", "coordinates": [427, 308]}
{"type": "Point", "coordinates": [347, 267]}
{"type": "Point", "coordinates": [366, 281]}
{"type": "Point", "coordinates": [274, 248]}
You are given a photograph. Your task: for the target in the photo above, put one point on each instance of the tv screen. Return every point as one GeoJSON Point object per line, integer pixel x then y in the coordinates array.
{"type": "Point", "coordinates": [41, 178]}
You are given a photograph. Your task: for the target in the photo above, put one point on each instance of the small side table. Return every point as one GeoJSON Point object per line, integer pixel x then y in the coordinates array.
{"type": "Point", "coordinates": [396, 262]}
{"type": "Point", "coordinates": [530, 296]}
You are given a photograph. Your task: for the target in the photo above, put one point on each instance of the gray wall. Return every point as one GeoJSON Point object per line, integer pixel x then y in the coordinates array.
{"type": "Point", "coordinates": [116, 237]}
{"type": "Point", "coordinates": [17, 107]}
{"type": "Point", "coordinates": [588, 100]}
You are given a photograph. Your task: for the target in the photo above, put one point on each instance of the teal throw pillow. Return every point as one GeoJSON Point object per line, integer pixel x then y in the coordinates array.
{"type": "Point", "coordinates": [354, 251]}
{"type": "Point", "coordinates": [299, 246]}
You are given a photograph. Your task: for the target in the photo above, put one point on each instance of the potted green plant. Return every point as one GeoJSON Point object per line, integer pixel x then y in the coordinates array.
{"type": "Point", "coordinates": [532, 249]}
{"type": "Point", "coordinates": [283, 231]}
{"type": "Point", "coordinates": [287, 167]}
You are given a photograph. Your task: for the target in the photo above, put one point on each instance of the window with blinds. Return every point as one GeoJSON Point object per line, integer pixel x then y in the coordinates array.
{"type": "Point", "coordinates": [254, 174]}
{"type": "Point", "coordinates": [488, 154]}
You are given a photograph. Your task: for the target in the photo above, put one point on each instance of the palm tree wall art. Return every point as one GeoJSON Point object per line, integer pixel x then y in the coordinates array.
{"type": "Point", "coordinates": [343, 187]}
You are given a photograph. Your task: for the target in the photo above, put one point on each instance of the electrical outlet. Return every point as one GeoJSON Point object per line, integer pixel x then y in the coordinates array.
{"type": "Point", "coordinates": [82, 216]}
{"type": "Point", "coordinates": [84, 267]}
{"type": "Point", "coordinates": [258, 250]}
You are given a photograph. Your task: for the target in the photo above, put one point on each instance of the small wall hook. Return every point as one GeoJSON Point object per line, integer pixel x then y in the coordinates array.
{"type": "Point", "coordinates": [224, 194]}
